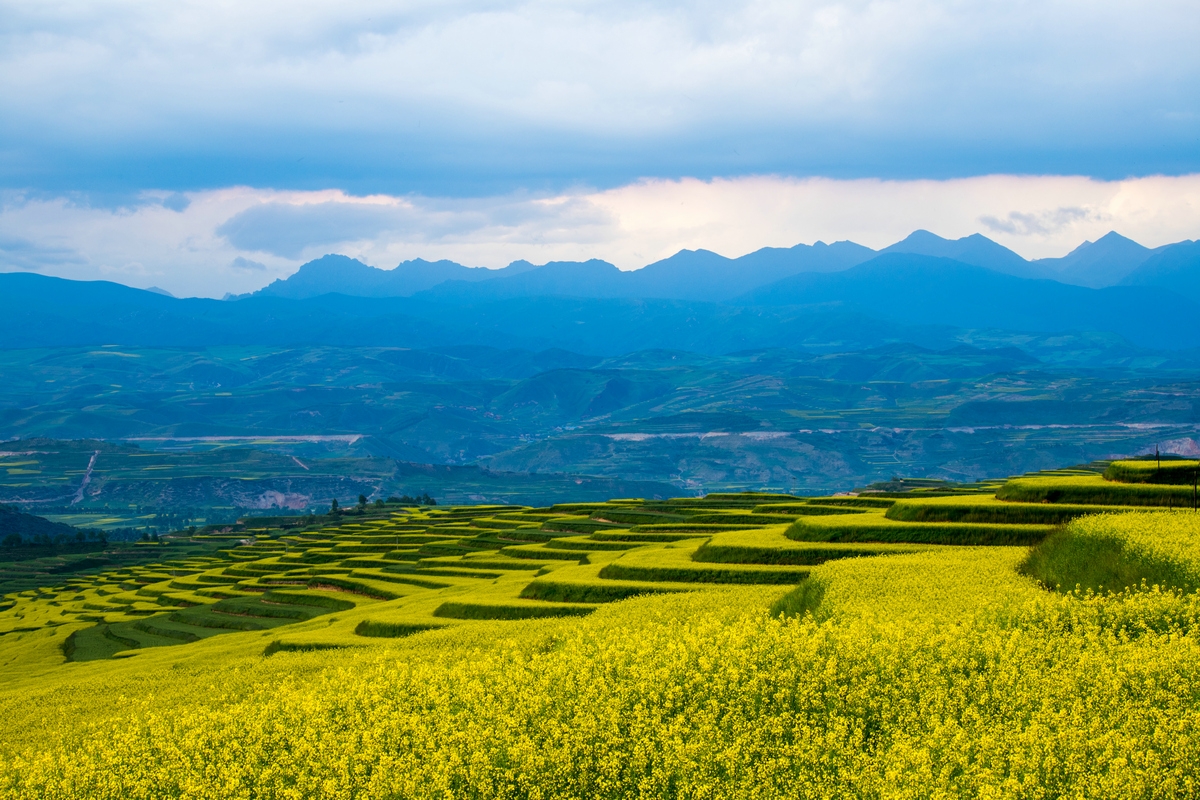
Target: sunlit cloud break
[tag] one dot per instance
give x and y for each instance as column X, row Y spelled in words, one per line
column 238, row 239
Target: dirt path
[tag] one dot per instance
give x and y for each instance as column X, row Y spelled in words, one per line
column 87, row 478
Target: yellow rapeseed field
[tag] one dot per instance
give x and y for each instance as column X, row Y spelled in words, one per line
column 935, row 674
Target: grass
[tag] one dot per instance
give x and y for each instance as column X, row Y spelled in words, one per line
column 987, row 509
column 510, row 611
column 391, row 630
column 1149, row 471
column 675, row 563
column 1119, row 552
column 772, row 546
column 875, row 527
column 1093, row 490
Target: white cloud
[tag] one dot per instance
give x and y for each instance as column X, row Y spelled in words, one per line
column 240, row 238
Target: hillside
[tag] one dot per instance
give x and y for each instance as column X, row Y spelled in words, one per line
column 210, row 430
column 1175, row 269
column 17, row 527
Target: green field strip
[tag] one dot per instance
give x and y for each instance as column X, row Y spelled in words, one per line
column 584, row 585
column 578, row 525
column 413, row 580
column 986, row 508
column 501, row 524
column 739, row 518
column 462, row 572
column 514, row 610
column 204, row 621
column 647, row 537
column 211, row 578
column 689, row 527
column 366, row 563
column 490, row 561
column 812, row 509
column 674, row 564
column 1175, row 471
column 1094, row 490
column 403, row 555
column 445, row 547
column 164, row 627
column 634, row 516
column 762, row 497
column 382, row 629
column 542, row 552
column 860, row 501
column 591, row 545
column 355, row 548
column 222, row 593
column 771, row 546
column 364, row 587
column 877, row 528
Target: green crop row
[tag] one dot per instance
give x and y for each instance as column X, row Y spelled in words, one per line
column 1168, row 472
column 1089, row 490
column 877, row 528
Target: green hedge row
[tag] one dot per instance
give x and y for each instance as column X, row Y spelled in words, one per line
column 623, row 572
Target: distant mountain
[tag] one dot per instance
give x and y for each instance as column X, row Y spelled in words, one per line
column 1174, row 268
column 915, row 289
column 593, row 308
column 592, row 278
column 976, row 250
column 1104, row 262
column 704, row 275
column 344, row 275
column 687, row 275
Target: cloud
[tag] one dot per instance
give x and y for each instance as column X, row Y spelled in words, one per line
column 492, row 96
column 288, row 230
column 1019, row 223
column 246, row 264
column 291, row 228
column 23, row 255
column 238, row 239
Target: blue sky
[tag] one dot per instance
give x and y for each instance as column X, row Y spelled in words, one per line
column 116, row 105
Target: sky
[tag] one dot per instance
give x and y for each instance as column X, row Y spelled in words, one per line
column 212, row 147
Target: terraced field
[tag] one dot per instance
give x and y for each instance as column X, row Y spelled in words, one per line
column 422, row 569
column 933, row 643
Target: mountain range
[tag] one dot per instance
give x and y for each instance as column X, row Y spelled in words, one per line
column 706, row 276
column 924, row 290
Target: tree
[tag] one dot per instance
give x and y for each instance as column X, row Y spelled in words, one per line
column 333, row 507
column 362, row 501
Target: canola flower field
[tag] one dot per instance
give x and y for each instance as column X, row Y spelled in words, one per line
column 731, row 646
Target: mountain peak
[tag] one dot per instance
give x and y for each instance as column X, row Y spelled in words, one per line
column 1104, row 262
column 976, row 249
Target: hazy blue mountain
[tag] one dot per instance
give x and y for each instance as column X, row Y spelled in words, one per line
column 976, row 249
column 892, row 298
column 704, row 275
column 1104, row 262
column 916, row 289
column 687, row 275
column 344, row 275
column 1174, row 268
column 592, row 278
